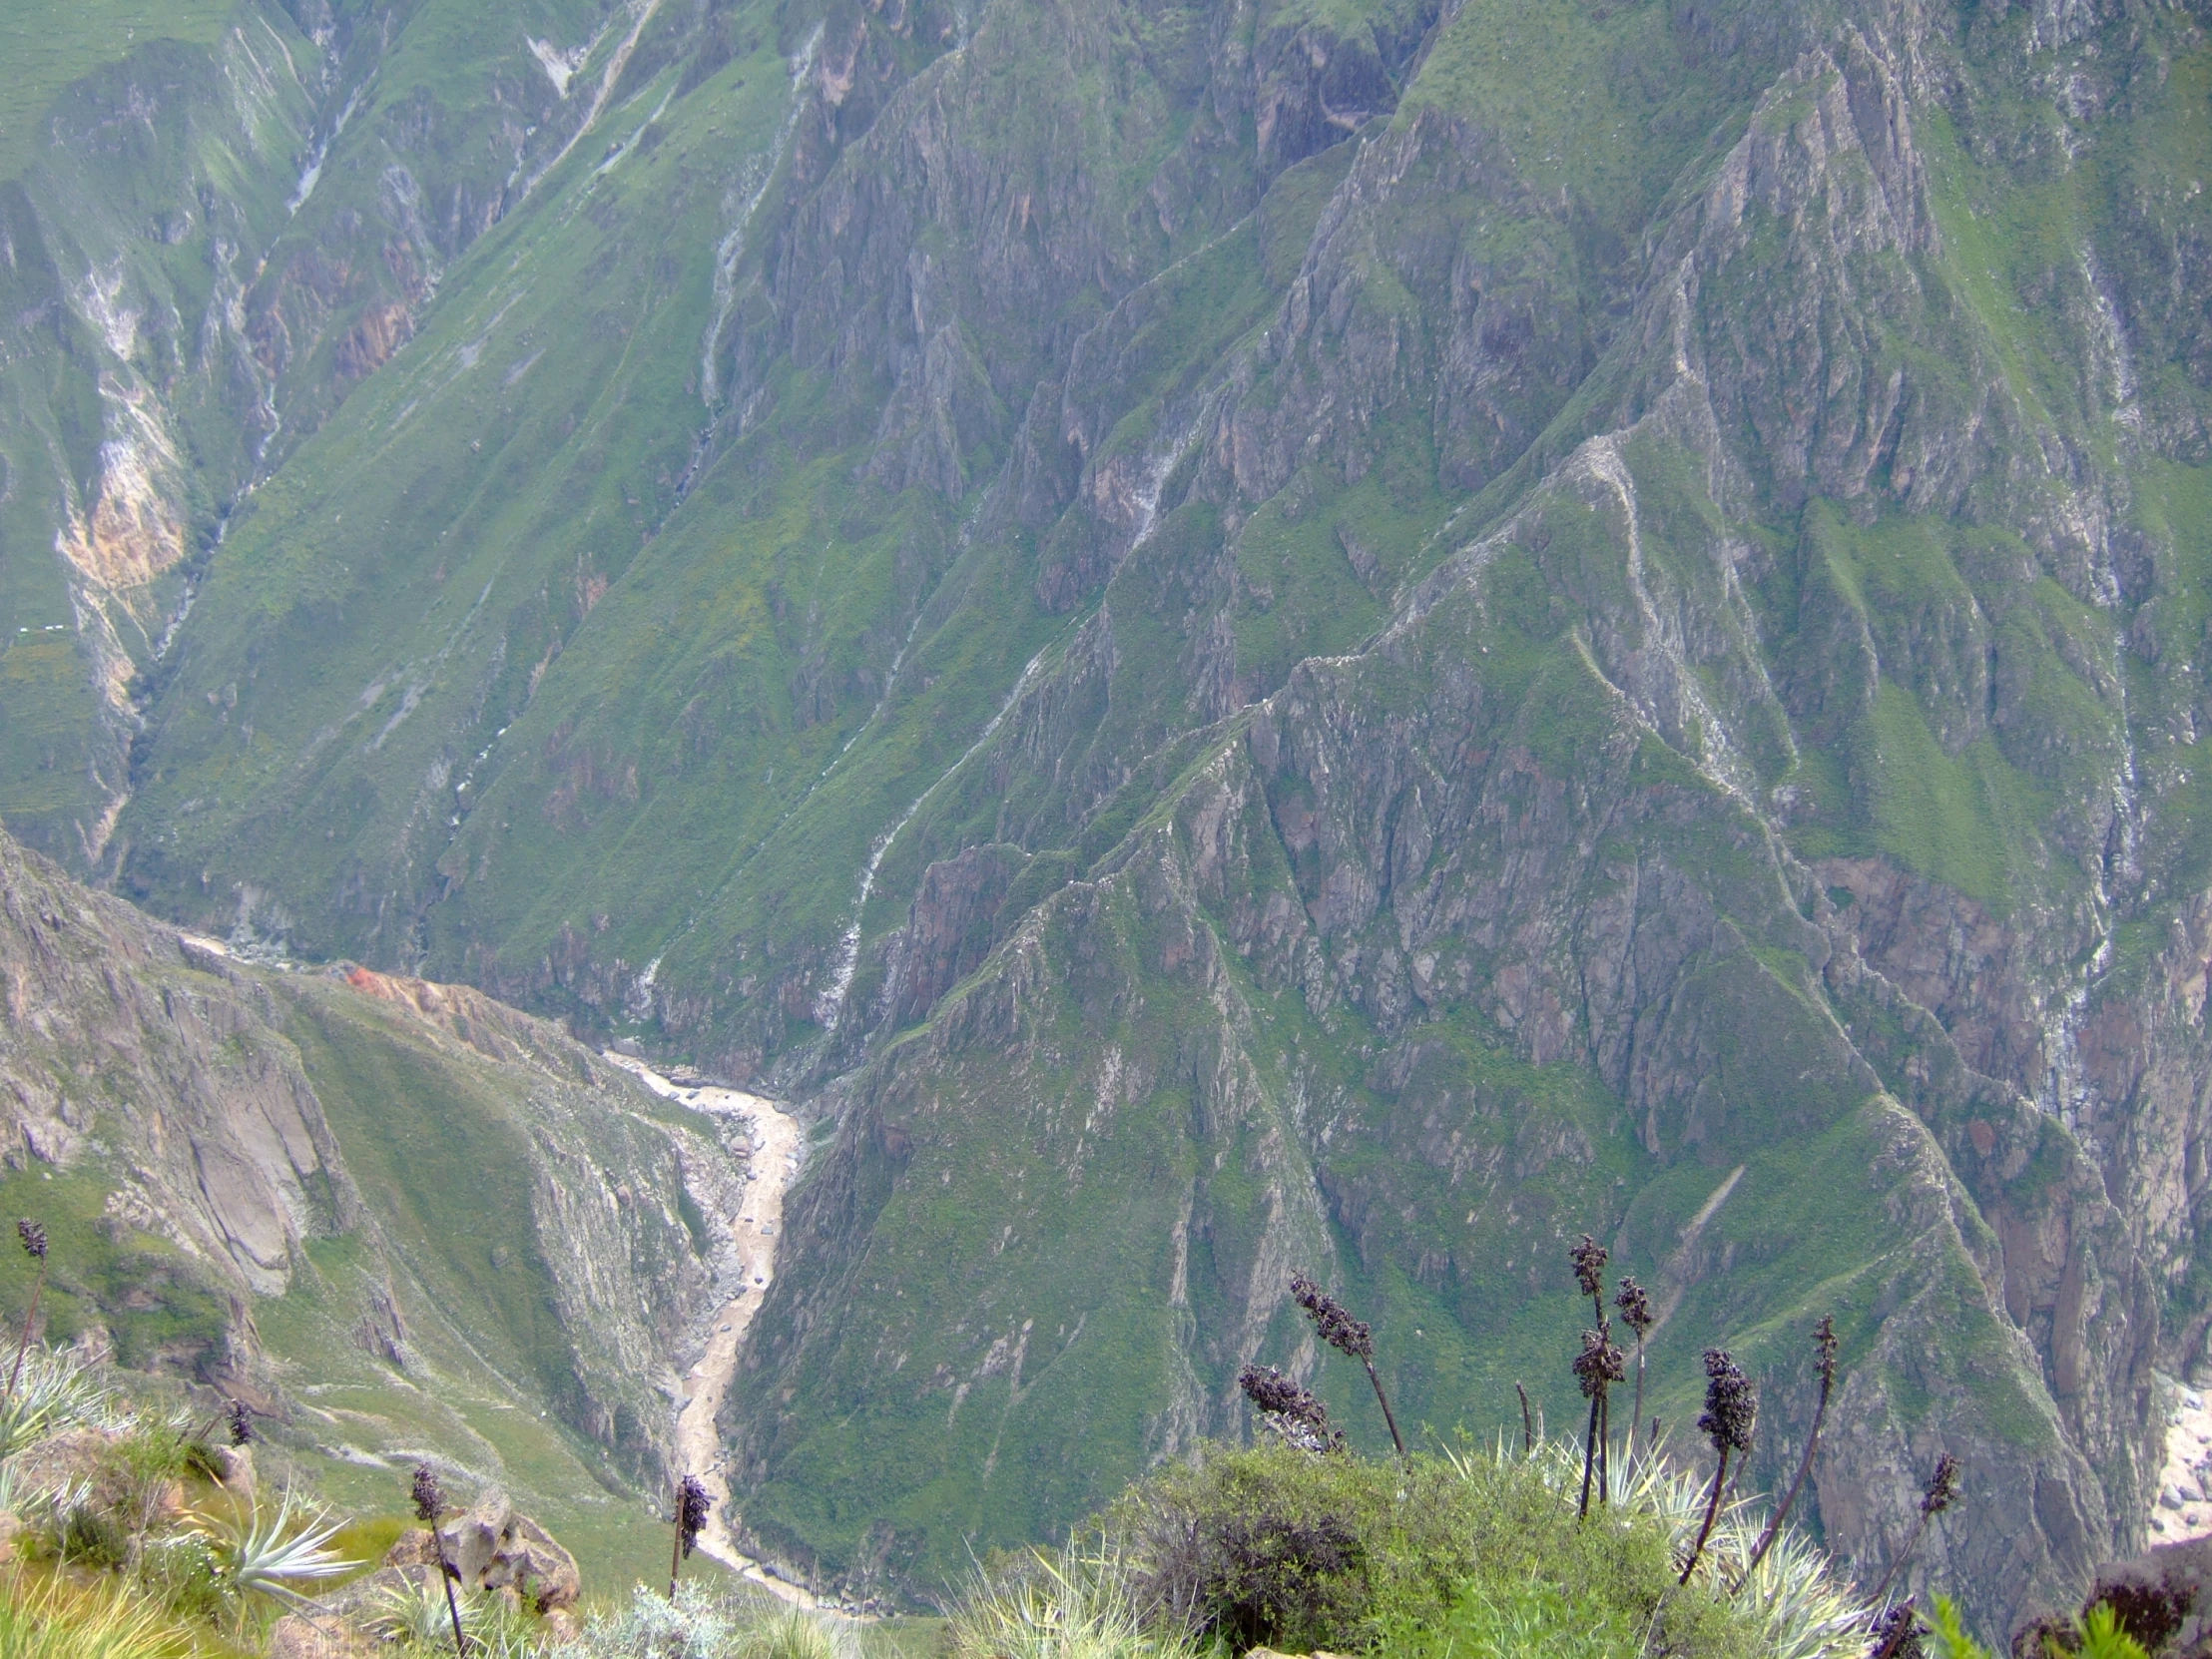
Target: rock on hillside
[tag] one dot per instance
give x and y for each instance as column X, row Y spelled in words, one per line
column 295, row 1185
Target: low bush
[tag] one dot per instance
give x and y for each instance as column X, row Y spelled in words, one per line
column 1277, row 1548
column 1470, row 1555
column 1087, row 1602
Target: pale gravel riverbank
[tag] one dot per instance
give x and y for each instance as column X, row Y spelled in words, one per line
column 756, row 1231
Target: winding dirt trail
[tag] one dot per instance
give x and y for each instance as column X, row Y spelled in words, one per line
column 756, row 1230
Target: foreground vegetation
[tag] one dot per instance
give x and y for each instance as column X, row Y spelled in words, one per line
column 136, row 1551
column 132, row 1533
column 1468, row 1551
column 140, row 1535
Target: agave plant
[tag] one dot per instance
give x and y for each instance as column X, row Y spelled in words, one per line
column 414, row 1615
column 698, row 1623
column 54, row 1391
column 790, row 1634
column 1073, row 1605
column 1804, row 1609
column 254, row 1556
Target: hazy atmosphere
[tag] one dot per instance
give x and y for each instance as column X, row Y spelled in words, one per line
column 1014, row 830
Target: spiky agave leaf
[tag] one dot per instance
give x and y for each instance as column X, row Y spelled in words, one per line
column 413, row 1613
column 1075, row 1604
column 1804, row 1608
column 1675, row 1496
column 55, row 1392
column 734, row 1622
column 257, row 1555
column 792, row 1633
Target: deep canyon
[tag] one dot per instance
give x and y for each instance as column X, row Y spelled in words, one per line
column 1219, row 637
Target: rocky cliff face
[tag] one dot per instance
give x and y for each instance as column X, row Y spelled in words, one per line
column 1255, row 636
column 273, row 1180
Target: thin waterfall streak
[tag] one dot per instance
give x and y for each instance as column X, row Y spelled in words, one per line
column 830, row 1006
column 730, row 252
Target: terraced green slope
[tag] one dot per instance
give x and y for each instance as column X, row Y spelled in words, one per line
column 1348, row 637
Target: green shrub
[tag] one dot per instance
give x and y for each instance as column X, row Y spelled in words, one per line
column 183, row 1574
column 94, row 1536
column 1279, row 1547
column 2098, row 1634
column 1508, row 1619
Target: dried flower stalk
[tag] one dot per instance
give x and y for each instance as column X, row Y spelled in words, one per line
column 1292, row 1411
column 34, row 1246
column 1731, row 1413
column 691, row 1507
column 1636, row 1314
column 429, row 1504
column 1824, row 1348
column 1597, row 1367
column 1334, row 1322
column 1937, row 1496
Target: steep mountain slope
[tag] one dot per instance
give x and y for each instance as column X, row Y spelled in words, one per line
column 216, row 220
column 399, row 1218
column 1276, row 635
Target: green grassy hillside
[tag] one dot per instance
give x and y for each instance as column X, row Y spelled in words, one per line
column 50, row 47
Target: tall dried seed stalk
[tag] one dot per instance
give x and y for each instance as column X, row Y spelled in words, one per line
column 691, row 1507
column 429, row 1504
column 1295, row 1413
column 1824, row 1350
column 1596, row 1369
column 1334, row 1324
column 1588, row 1259
column 34, row 1246
column 1937, row 1496
column 1636, row 1314
column 1731, row 1414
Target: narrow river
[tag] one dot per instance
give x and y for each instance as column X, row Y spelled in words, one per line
column 757, row 1229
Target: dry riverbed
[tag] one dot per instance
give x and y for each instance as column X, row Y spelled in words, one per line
column 757, row 1229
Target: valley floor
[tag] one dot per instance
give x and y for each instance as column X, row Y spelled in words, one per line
column 756, row 1229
